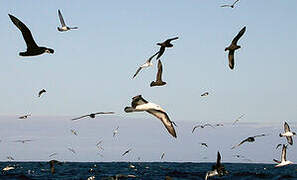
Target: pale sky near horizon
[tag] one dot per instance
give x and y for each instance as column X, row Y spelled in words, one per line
column 92, row 67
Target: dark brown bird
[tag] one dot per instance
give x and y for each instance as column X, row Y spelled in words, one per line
column 165, row 44
column 41, row 92
column 249, row 139
column 231, row 6
column 233, row 46
column 32, row 48
column 92, row 115
column 24, row 116
column 158, row 81
column 201, row 126
column 126, row 152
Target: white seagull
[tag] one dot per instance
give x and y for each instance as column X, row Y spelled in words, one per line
column 147, row 64
column 64, row 27
column 288, row 134
column 284, row 160
column 140, row 104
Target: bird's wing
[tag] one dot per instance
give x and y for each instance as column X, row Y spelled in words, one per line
column 172, row 39
column 151, row 58
column 165, row 120
column 137, row 72
column 290, row 140
column 278, row 146
column 160, row 70
column 195, row 128
column 286, row 127
column 161, row 51
column 104, row 113
column 25, row 32
column 226, row 5
column 284, row 153
column 239, row 143
column 235, row 2
column 79, row 117
column 138, row 100
column 259, row 135
column 231, row 59
column 238, row 36
column 218, row 160
column 61, row 18
column 208, row 125
column 276, row 161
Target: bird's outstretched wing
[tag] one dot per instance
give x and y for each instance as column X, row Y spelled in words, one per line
column 276, row 161
column 171, row 39
column 239, row 143
column 126, row 152
column 104, row 113
column 80, row 117
column 195, row 128
column 138, row 100
column 208, row 125
column 25, row 32
column 286, row 127
column 278, row 146
column 231, row 59
column 61, row 18
column 226, row 5
column 260, row 135
column 238, row 36
column 138, row 70
column 235, row 2
column 218, row 164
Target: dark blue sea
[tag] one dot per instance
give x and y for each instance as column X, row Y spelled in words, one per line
column 142, row 170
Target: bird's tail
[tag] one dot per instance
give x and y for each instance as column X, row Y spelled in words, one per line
column 129, row 109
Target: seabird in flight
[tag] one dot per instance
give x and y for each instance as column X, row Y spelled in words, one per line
column 204, row 144
column 126, row 152
column 53, row 154
column 41, row 92
column 205, row 94
column 23, row 141
column 288, row 134
column 238, row 119
column 32, row 48
column 74, row 132
column 249, row 139
column 140, row 104
column 162, row 156
column 201, row 126
column 284, row 160
column 233, row 46
column 147, row 64
column 64, row 27
column 10, row 158
column 231, row 6
column 165, row 44
column 217, row 170
column 116, row 131
column 72, row 150
column 24, row 116
column 92, row 115
column 158, row 81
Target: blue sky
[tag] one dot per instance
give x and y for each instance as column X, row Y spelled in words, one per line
column 92, row 67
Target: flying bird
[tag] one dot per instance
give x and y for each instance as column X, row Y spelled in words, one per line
column 32, row 48
column 233, row 46
column 284, row 160
column 99, row 144
column 147, row 64
column 205, row 94
column 158, row 81
column 165, row 44
column 10, row 158
column 53, row 154
column 116, row 131
column 218, row 169
column 231, row 6
column 72, row 150
column 64, row 27
column 23, row 141
column 41, row 92
column 249, row 139
column 74, row 132
column 288, row 134
column 140, row 104
column 162, row 156
column 92, row 115
column 204, row 144
column 126, row 152
column 238, row 119
column 201, row 126
column 24, row 116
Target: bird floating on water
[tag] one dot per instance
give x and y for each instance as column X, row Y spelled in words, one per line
column 284, row 160
column 92, row 115
column 32, row 48
column 288, row 134
column 64, row 27
column 147, row 64
column 158, row 81
column 165, row 44
column 218, row 169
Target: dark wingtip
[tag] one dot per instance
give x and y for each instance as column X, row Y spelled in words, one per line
column 152, row 84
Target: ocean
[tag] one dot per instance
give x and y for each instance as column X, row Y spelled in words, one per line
column 142, row 170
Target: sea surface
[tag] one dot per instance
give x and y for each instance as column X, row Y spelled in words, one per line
column 142, row 170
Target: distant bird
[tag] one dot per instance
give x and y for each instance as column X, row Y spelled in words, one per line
column 140, row 104
column 147, row 64
column 116, row 131
column 217, row 170
column 288, row 134
column 219, row 124
column 238, row 119
column 23, row 141
column 99, row 145
column 52, row 165
column 92, row 115
column 24, row 116
column 64, row 27
column 74, row 132
column 126, row 152
column 162, row 156
column 32, row 48
column 204, row 94
column 53, row 154
column 165, row 44
column 249, row 139
column 233, row 46
column 204, row 144
column 201, row 126
column 284, row 160
column 238, row 156
column 158, row 81
column 41, row 92
column 72, row 150
column 10, row 158
column 231, row 6
column 279, row 145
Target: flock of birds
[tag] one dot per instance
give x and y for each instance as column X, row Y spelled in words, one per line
column 139, row 104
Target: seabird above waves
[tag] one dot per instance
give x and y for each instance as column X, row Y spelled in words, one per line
column 147, row 64
column 10, row 158
column 23, row 141
column 231, row 6
column 158, row 81
column 41, row 92
column 99, row 145
column 238, row 119
column 64, row 27
column 204, row 94
column 72, row 150
column 204, row 144
column 32, row 48
column 162, row 156
column 165, row 44
column 53, row 154
column 288, row 134
column 284, row 160
column 74, row 132
column 217, row 170
column 116, row 131
column 201, row 126
column 92, row 115
column 140, row 104
column 233, row 46
column 24, row 116
column 126, row 152
column 249, row 139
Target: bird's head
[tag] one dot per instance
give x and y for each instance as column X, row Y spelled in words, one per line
column 49, row 50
